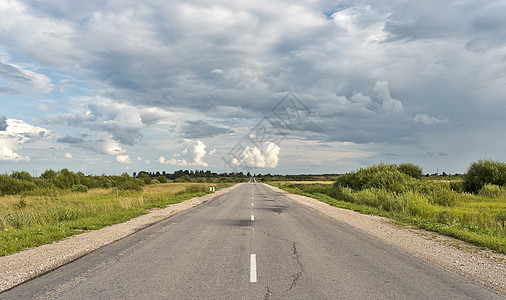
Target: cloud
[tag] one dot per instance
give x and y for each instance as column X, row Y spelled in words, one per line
column 3, row 123
column 9, row 91
column 371, row 72
column 67, row 155
column 200, row 153
column 105, row 144
column 22, row 79
column 124, row 122
column 70, row 140
column 255, row 157
column 124, row 159
column 389, row 104
column 15, row 134
column 173, row 161
column 428, row 120
column 201, row 129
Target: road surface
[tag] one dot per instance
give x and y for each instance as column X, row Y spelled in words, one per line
column 252, row 243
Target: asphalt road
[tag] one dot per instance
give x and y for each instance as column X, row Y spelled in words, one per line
column 251, row 243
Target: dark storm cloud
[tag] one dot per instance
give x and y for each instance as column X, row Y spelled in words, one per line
column 202, row 129
column 70, row 140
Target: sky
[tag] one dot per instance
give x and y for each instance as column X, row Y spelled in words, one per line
column 265, row 86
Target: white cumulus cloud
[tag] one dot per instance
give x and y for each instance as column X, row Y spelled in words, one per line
column 265, row 157
column 173, row 161
column 124, row 159
column 14, row 134
column 389, row 104
column 200, row 153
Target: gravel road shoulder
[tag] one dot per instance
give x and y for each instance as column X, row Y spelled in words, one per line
column 25, row 265
column 481, row 266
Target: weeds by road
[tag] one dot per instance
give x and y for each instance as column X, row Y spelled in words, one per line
column 28, row 221
column 436, row 206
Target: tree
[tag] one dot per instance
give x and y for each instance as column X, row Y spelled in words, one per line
column 484, row 172
column 23, row 175
column 411, row 170
column 66, row 178
column 145, row 177
column 50, row 176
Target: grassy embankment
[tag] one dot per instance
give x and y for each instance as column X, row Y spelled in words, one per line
column 436, row 206
column 28, row 221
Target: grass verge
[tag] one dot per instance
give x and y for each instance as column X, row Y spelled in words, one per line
column 481, row 237
column 30, row 221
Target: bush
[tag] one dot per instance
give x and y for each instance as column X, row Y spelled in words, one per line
column 457, row 186
column 145, row 177
column 417, row 205
column 379, row 176
column 438, row 193
column 23, row 175
column 482, row 172
column 492, row 191
column 411, row 170
column 342, row 193
column 131, row 184
column 79, row 188
column 162, row 179
column 12, row 186
column 390, row 180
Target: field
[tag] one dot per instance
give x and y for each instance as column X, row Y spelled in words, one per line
column 476, row 218
column 32, row 220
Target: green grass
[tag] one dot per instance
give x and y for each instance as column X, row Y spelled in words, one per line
column 472, row 218
column 29, row 221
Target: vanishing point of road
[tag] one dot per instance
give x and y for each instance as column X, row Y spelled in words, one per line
column 251, row 243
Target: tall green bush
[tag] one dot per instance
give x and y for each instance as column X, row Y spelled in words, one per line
column 484, row 172
column 411, row 170
column 380, row 176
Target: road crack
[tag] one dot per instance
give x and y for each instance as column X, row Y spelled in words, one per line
column 295, row 256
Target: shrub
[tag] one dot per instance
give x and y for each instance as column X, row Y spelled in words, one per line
column 79, row 188
column 390, row 180
column 131, row 184
column 23, row 175
column 482, row 172
column 145, row 177
column 411, row 170
column 162, row 179
column 378, row 176
column 492, row 191
column 12, row 186
column 456, row 186
column 417, row 205
column 437, row 193
column 342, row 193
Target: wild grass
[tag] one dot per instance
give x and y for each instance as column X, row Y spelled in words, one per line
column 28, row 221
column 476, row 218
